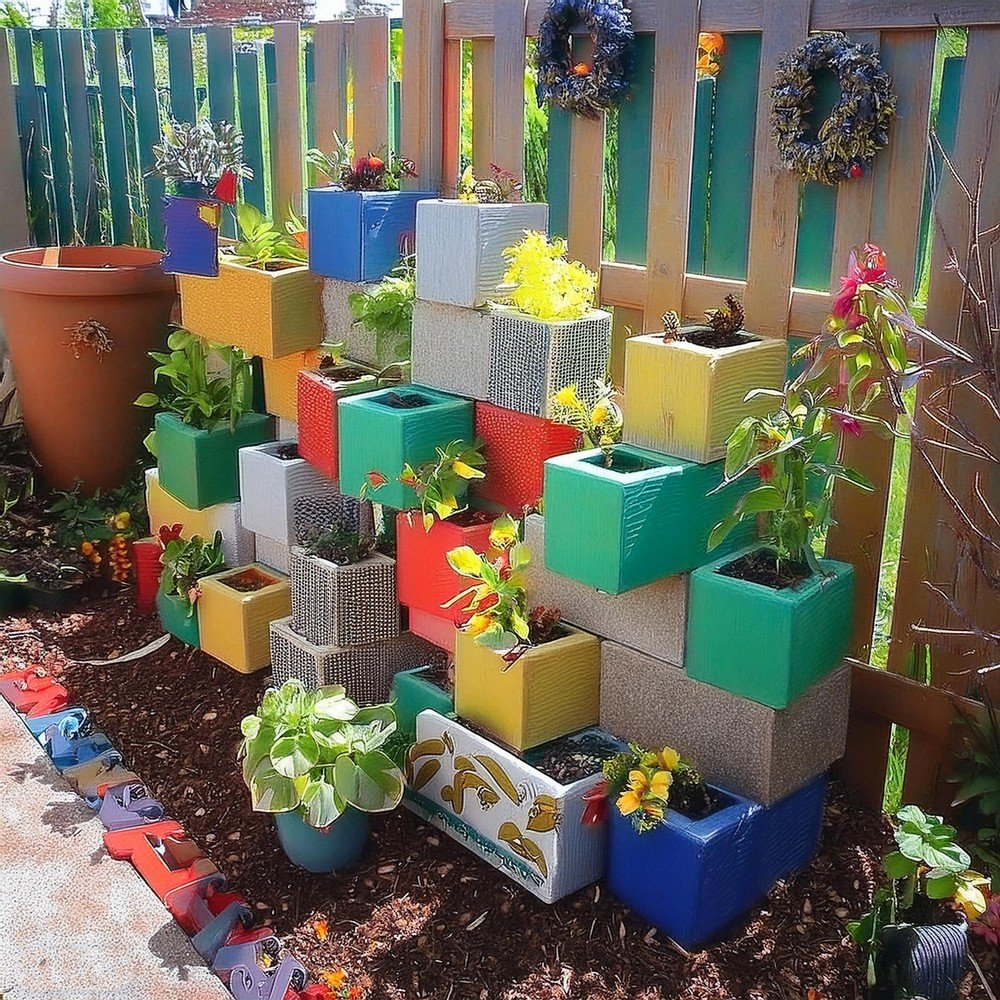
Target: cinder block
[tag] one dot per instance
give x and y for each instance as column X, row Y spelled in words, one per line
column 338, row 322
column 650, row 618
column 288, row 430
column 742, row 745
column 272, row 553
column 451, row 348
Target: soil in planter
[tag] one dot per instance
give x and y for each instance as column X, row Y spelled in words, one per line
column 403, row 400
column 440, row 671
column 248, row 580
column 624, row 462
column 714, row 341
column 287, row 452
column 569, row 758
column 334, row 371
column 760, row 566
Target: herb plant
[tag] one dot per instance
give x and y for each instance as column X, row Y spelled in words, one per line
column 501, row 186
column 318, row 752
column 600, row 421
column 261, row 242
column 438, row 482
column 540, row 281
column 378, row 171
column 387, row 311
column 186, row 562
column 338, row 545
column 200, row 153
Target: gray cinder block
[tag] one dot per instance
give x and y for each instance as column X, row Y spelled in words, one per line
column 451, row 348
column 651, row 619
column 272, row 553
column 742, row 745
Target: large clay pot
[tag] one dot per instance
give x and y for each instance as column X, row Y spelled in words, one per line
column 78, row 411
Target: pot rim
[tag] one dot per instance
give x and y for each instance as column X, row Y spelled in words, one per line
column 118, row 270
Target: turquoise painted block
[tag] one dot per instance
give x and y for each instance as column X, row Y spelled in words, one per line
column 616, row 529
column 175, row 619
column 776, row 643
column 378, row 437
column 201, row 468
column 413, row 692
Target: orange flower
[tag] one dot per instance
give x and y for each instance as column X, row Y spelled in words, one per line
column 581, row 69
column 334, row 978
column 355, row 993
column 322, row 929
column 710, row 41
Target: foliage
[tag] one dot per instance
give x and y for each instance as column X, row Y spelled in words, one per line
column 728, row 318
column 502, row 186
column 438, row 482
column 378, row 171
column 599, row 422
column 185, row 562
column 185, row 387
column 988, row 925
column 542, row 283
column 318, row 752
column 200, row 153
column 338, row 545
column 261, row 241
column 643, row 781
column 387, row 311
column 14, row 14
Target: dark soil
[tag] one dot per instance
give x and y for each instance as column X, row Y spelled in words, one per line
column 422, row 917
column 624, row 462
column 249, row 580
column 403, row 400
column 337, row 372
column 287, row 452
column 469, row 517
column 714, row 340
column 760, row 566
column 440, row 672
column 567, row 759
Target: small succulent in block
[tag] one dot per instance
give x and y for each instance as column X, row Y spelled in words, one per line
column 439, row 482
column 336, row 544
column 599, row 422
column 502, row 186
column 377, row 171
column 202, row 157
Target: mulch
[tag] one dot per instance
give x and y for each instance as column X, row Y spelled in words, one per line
column 422, row 917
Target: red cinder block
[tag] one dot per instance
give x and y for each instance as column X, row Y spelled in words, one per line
column 517, row 446
column 34, row 695
column 146, row 556
column 439, row 629
column 318, row 428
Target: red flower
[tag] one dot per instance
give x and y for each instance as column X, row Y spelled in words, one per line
column 169, row 533
column 225, row 189
column 847, row 423
column 376, row 479
column 856, row 171
column 597, row 805
column 765, row 470
column 844, row 302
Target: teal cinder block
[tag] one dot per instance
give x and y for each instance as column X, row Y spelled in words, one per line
column 775, row 643
column 175, row 619
column 412, row 693
column 615, row 530
column 201, row 468
column 378, row 437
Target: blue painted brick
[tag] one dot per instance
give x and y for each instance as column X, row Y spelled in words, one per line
column 191, row 242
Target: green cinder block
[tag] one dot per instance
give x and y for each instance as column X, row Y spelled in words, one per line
column 775, row 643
column 378, row 437
column 615, row 529
column 174, row 618
column 413, row 692
column 201, row 468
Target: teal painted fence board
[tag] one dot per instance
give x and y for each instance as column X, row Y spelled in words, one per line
column 88, row 223
column 55, row 108
column 31, row 129
column 180, row 67
column 221, row 89
column 635, row 122
column 701, row 165
column 106, row 49
column 247, row 74
column 147, row 123
column 271, row 94
column 557, row 175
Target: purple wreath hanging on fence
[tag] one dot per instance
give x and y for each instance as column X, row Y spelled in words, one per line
column 585, row 89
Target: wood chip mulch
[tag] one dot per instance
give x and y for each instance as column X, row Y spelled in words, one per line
column 422, row 917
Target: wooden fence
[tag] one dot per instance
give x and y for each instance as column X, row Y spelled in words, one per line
column 702, row 207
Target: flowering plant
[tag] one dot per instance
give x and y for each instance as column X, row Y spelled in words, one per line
column 261, row 242
column 542, row 283
column 378, row 171
column 988, row 924
column 186, row 562
column 502, row 186
column 202, row 153
column 438, row 481
column 710, row 45
column 600, row 422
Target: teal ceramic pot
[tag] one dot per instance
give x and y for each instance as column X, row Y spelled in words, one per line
column 337, row 847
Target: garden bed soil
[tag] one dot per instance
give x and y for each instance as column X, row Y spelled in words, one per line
column 287, row 452
column 403, row 400
column 248, row 581
column 567, row 760
column 421, row 917
column 760, row 566
column 714, row 341
column 338, row 372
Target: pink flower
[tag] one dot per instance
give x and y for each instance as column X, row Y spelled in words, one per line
column 847, row 423
column 988, row 925
column 765, row 470
column 194, row 593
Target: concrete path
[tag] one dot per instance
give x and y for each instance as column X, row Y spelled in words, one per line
column 75, row 924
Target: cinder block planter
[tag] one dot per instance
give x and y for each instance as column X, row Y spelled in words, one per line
column 516, row 448
column 512, row 815
column 685, row 400
column 413, row 691
column 162, row 508
column 425, row 580
column 378, row 436
column 438, row 629
column 279, row 495
column 360, row 235
column 338, row 321
column 365, row 671
column 200, row 468
column 549, row 691
column 531, row 359
column 451, row 348
column 273, row 554
column 318, row 393
column 175, row 619
column 286, row 430
column 234, row 621
column 343, row 605
column 650, row 618
column 776, row 643
column 266, row 313
column 191, row 235
column 646, row 518
column 750, row 748
column 281, row 379
column 460, row 246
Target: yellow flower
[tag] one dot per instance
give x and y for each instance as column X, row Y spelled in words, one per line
column 600, row 414
column 123, row 520
column 628, row 803
column 334, row 978
column 660, row 783
column 504, row 532
column 668, row 759
column 567, row 396
column 478, row 624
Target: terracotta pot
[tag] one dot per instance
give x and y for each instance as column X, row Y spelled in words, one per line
column 78, row 411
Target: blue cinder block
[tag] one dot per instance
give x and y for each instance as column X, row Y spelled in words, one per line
column 68, row 748
column 360, row 235
column 191, row 235
column 789, row 832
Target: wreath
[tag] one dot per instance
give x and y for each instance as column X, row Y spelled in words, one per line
column 857, row 127
column 585, row 89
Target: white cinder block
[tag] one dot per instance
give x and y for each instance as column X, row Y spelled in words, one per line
column 360, row 344
column 272, row 553
column 451, row 348
column 288, row 430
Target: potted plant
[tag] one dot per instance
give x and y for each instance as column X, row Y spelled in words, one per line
column 798, row 607
column 519, row 673
column 381, row 318
column 281, row 382
column 914, row 938
column 205, row 420
column 381, row 432
column 203, row 161
column 264, row 299
column 358, row 225
column 315, row 760
column 184, row 563
column 235, row 611
column 547, row 334
column 687, row 387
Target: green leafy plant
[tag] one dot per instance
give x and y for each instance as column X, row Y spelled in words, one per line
column 318, row 752
column 338, row 545
column 262, row 243
column 599, row 422
column 200, row 152
column 378, row 171
column 185, row 562
column 387, row 311
column 540, row 281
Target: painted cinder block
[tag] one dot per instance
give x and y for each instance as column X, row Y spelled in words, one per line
column 685, row 400
column 175, row 619
column 451, row 348
column 281, row 379
column 272, row 553
column 201, row 468
column 650, row 618
column 617, row 529
column 749, row 748
column 365, row 671
column 509, row 813
column 191, row 235
column 460, row 246
column 413, row 692
column 438, row 629
column 532, row 359
column 776, row 643
column 360, row 235
column 376, row 436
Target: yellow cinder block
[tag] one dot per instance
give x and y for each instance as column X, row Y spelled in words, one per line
column 267, row 313
column 281, row 382
column 163, row 508
column 235, row 625
column 685, row 400
column 549, row 691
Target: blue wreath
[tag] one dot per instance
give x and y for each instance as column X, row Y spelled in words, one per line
column 608, row 79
